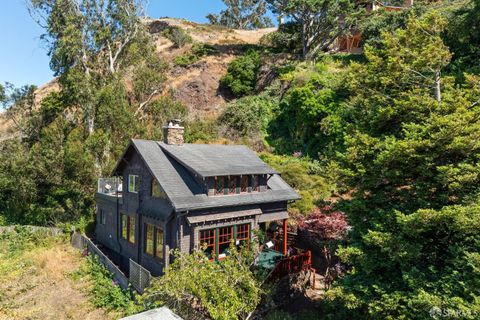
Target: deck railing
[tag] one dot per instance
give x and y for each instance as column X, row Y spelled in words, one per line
column 293, row 264
column 110, row 186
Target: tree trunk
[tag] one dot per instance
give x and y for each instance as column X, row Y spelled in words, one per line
column 438, row 88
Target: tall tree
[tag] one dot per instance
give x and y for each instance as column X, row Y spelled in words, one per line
column 412, row 163
column 321, row 21
column 242, row 14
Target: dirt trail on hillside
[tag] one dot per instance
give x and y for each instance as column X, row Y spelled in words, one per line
column 44, row 289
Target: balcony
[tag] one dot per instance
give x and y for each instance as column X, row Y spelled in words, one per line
column 110, row 187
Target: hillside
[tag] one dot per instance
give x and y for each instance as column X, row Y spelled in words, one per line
column 196, row 86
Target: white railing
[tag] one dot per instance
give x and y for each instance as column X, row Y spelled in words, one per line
column 111, row 186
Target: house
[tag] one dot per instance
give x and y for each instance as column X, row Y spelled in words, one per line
column 353, row 42
column 171, row 195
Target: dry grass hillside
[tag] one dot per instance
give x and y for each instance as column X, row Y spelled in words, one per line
column 196, row 86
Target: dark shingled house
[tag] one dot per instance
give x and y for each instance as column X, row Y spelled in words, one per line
column 166, row 195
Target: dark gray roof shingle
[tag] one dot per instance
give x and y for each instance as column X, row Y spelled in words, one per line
column 186, row 194
column 209, row 160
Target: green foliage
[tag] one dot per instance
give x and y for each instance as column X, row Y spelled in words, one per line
column 105, row 292
column 304, row 176
column 318, row 21
column 201, row 131
column 247, row 117
column 286, row 39
column 242, row 14
column 178, row 36
column 309, row 118
column 241, row 77
column 198, row 51
column 192, row 285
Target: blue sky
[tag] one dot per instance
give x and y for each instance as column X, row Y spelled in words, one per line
column 23, row 57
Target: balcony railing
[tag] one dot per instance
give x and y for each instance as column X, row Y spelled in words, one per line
column 110, row 186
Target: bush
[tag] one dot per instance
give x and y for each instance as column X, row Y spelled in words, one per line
column 247, row 117
column 285, row 39
column 241, row 77
column 198, row 51
column 178, row 36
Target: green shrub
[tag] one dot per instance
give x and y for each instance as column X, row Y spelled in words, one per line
column 178, row 36
column 198, row 51
column 105, row 292
column 242, row 73
column 247, row 117
column 285, row 39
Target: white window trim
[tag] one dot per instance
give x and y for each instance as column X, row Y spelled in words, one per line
column 135, row 181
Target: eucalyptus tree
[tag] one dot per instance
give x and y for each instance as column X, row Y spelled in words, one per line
column 242, row 14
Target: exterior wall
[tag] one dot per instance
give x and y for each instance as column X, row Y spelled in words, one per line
column 155, row 265
column 107, row 233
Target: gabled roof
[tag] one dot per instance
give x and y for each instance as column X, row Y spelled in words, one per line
column 184, row 193
column 210, row 160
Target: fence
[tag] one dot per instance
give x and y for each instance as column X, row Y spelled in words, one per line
column 139, row 276
column 50, row 231
column 81, row 242
column 292, row 264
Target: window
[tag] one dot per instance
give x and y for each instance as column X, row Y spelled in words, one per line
column 157, row 191
column 159, row 243
column 153, row 241
column 219, row 185
column 207, row 240
column 243, row 184
column 131, row 229
column 128, row 228
column 124, row 226
column 102, row 216
column 216, row 241
column 255, row 186
column 133, row 183
column 232, row 185
column 243, row 233
column 225, row 236
column 149, row 229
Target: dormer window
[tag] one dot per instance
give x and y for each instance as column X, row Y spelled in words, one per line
column 232, row 185
column 243, row 184
column 255, row 186
column 157, row 191
column 219, row 186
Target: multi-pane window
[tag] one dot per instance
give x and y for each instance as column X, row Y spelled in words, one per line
column 157, row 191
column 154, row 241
column 102, row 216
column 149, row 232
column 217, row 241
column 255, row 186
column 133, row 183
column 159, row 243
column 128, row 227
column 244, row 184
column 232, row 185
column 225, row 236
column 243, row 233
column 207, row 241
column 219, row 185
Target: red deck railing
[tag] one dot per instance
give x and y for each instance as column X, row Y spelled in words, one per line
column 293, row 264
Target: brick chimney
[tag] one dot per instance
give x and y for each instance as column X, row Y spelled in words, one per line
column 173, row 132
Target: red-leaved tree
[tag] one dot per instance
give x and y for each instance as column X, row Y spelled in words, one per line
column 326, row 228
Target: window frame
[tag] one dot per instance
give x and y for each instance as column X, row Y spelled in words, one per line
column 230, row 180
column 102, row 216
column 127, row 233
column 149, row 227
column 136, row 183
column 244, row 184
column 255, row 187
column 222, row 192
column 161, row 194
column 158, row 253
column 215, row 235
